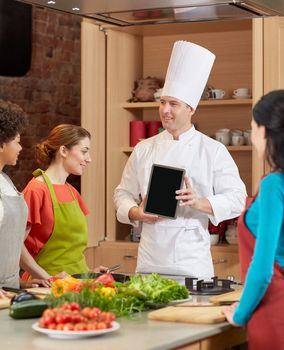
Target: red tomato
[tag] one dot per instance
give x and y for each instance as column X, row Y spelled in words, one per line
column 101, row 325
column 92, row 326
column 68, row 327
column 66, row 317
column 80, row 326
column 94, row 313
column 86, row 312
column 47, row 320
column 52, row 326
column 60, row 327
column 74, row 306
column 59, row 319
column 107, row 316
column 48, row 312
column 77, row 318
column 106, row 279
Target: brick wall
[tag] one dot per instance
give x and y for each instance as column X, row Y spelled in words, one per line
column 50, row 91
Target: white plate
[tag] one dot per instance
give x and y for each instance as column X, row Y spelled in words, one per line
column 179, row 301
column 74, row 334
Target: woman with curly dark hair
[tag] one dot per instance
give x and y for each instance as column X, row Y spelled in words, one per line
column 13, row 209
column 261, row 235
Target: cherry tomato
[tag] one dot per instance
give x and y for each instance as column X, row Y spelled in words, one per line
column 68, row 327
column 59, row 319
column 81, row 326
column 52, row 326
column 60, row 327
column 101, row 325
column 92, row 326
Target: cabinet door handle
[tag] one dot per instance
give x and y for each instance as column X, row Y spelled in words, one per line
column 130, row 257
column 220, row 261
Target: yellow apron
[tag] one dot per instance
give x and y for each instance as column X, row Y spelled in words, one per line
column 64, row 251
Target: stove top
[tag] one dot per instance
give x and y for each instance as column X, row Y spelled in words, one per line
column 214, row 286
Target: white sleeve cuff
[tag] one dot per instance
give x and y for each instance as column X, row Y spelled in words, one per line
column 123, row 210
column 221, row 209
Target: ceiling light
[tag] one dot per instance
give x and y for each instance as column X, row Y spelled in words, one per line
column 75, row 9
column 51, row 2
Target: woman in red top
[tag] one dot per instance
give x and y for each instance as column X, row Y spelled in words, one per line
column 57, row 214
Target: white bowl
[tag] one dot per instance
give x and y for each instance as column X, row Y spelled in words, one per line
column 214, row 238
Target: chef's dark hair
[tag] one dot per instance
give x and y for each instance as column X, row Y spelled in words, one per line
column 13, row 121
column 269, row 112
column 67, row 135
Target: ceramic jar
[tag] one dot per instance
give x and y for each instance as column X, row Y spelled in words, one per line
column 145, row 89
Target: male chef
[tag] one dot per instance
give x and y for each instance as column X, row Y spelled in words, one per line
column 212, row 187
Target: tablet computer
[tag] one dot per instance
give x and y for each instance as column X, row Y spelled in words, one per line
column 161, row 194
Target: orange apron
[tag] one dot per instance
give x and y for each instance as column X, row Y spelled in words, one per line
column 265, row 328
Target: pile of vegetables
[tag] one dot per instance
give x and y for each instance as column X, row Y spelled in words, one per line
column 157, row 289
column 137, row 294
column 70, row 317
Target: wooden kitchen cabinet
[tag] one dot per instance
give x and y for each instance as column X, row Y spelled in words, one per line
column 225, row 257
column 226, row 261
column 112, row 253
column 113, row 58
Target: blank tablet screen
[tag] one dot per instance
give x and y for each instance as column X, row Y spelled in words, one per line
column 164, row 182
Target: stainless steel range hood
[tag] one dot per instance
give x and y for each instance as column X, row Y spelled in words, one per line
column 138, row 12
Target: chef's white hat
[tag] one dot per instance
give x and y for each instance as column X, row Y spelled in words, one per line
column 188, row 72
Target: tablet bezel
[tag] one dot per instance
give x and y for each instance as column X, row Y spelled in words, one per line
column 180, row 170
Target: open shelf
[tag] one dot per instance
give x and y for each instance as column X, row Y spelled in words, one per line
column 221, row 102
column 246, row 148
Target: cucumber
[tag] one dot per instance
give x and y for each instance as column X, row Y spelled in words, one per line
column 28, row 309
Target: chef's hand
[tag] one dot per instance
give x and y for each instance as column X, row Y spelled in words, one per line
column 101, row 268
column 229, row 313
column 34, row 283
column 137, row 214
column 189, row 198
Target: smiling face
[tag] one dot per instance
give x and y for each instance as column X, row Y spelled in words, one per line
column 9, row 152
column 77, row 157
column 175, row 115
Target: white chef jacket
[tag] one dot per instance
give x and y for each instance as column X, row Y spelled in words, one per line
column 181, row 246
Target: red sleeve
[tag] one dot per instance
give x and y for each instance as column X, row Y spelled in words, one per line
column 34, row 203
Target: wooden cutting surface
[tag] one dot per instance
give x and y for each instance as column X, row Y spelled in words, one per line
column 4, row 303
column 41, row 290
column 227, row 297
column 202, row 314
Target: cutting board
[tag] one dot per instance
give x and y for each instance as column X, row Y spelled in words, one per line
column 40, row 290
column 230, row 297
column 202, row 314
column 4, row 303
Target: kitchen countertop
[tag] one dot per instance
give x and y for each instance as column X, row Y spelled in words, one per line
column 136, row 332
